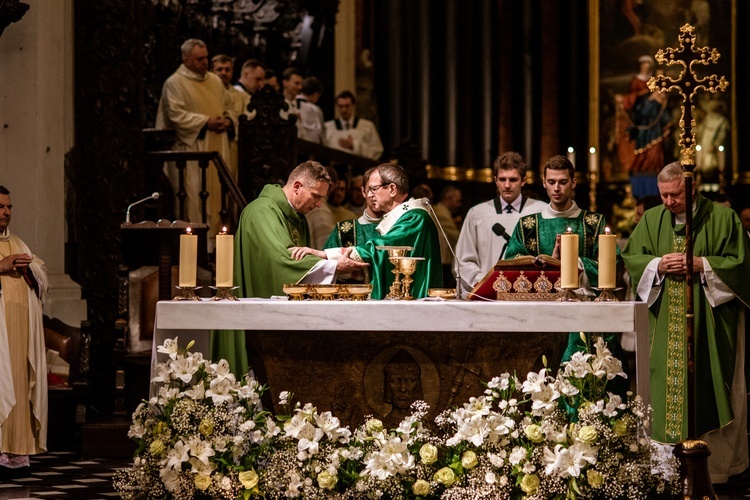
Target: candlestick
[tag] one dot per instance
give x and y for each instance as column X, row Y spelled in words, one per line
column 607, row 259
column 224, row 259
column 722, row 160
column 572, row 156
column 188, row 259
column 569, row 259
column 593, row 163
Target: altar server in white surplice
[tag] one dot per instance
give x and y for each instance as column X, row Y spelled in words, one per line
column 196, row 106
column 488, row 226
column 351, row 133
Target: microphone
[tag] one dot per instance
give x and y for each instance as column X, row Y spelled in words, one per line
column 499, row 230
column 426, row 201
column 154, row 196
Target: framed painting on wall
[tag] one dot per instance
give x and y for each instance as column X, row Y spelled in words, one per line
column 637, row 132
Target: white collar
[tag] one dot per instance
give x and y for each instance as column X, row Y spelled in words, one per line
column 184, row 71
column 570, row 213
column 516, row 204
column 680, row 218
column 390, row 219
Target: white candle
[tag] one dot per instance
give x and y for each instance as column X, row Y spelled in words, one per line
column 572, row 156
column 722, row 159
column 188, row 259
column 607, row 259
column 698, row 155
column 224, row 259
column 569, row 260
column 593, row 163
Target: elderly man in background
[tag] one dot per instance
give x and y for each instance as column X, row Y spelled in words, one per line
column 195, row 104
column 23, row 362
column 655, row 258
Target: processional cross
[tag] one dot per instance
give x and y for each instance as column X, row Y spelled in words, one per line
column 689, row 83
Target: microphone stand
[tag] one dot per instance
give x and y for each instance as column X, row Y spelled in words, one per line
column 455, row 259
column 154, row 196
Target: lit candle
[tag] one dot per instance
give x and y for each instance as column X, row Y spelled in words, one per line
column 698, row 155
column 188, row 259
column 593, row 164
column 607, row 259
column 224, row 259
column 722, row 159
column 572, row 156
column 569, row 259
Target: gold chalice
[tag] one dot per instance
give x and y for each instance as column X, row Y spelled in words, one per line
column 395, row 252
column 407, row 266
column 360, row 291
column 295, row 291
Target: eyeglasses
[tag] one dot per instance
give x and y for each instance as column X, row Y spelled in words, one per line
column 374, row 189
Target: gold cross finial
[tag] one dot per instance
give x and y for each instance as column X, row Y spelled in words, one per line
column 688, row 83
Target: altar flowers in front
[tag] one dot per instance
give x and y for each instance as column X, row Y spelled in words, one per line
column 207, row 436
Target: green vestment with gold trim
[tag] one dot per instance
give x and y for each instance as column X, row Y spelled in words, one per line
column 718, row 236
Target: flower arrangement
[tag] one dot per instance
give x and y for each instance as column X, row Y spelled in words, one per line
column 206, row 435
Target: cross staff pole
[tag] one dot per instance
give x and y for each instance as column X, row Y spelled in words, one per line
column 688, row 83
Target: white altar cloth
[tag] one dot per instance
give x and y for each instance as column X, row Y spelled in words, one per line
column 193, row 319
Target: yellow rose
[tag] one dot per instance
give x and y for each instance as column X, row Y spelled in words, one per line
column 428, row 454
column 374, row 425
column 206, row 427
column 588, row 434
column 595, row 479
column 620, row 428
column 469, row 460
column 421, row 488
column 445, row 476
column 202, row 481
column 530, row 483
column 249, row 479
column 326, row 480
column 156, row 448
column 534, row 433
column 160, row 427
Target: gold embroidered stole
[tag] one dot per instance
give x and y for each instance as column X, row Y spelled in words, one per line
column 676, row 351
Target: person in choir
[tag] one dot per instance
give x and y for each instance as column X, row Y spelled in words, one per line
column 272, row 80
column 195, row 104
column 252, row 77
column 745, row 219
column 404, row 224
column 357, row 231
column 446, row 211
column 336, row 202
column 321, row 220
column 539, row 234
column 422, row 191
column 486, row 229
column 311, row 124
column 357, row 195
column 352, row 133
column 271, row 231
column 291, row 84
column 223, row 66
column 655, row 258
column 23, row 360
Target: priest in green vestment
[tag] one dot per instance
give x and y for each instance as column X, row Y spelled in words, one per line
column 655, row 259
column 271, row 230
column 405, row 223
column 539, row 234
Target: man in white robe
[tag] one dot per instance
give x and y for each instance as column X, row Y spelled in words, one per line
column 196, row 106
column 351, row 133
column 223, row 66
column 487, row 228
column 23, row 362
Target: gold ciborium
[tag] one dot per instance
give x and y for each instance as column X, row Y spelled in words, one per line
column 360, row 291
column 395, row 252
column 407, row 266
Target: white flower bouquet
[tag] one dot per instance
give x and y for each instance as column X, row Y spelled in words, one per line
column 206, row 436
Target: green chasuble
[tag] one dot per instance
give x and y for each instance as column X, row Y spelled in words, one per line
column 413, row 227
column 535, row 235
column 718, row 236
column 350, row 233
column 262, row 264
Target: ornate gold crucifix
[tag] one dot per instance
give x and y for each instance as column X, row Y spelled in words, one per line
column 688, row 83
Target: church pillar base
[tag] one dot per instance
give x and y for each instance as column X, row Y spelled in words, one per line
column 64, row 300
column 694, row 477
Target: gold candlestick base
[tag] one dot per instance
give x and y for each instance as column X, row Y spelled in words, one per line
column 187, row 293
column 224, row 293
column 606, row 295
column 567, row 295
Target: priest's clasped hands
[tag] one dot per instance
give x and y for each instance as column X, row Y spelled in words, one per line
column 344, row 264
column 676, row 263
column 15, row 262
column 218, row 124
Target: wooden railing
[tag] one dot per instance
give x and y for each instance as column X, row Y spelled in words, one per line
column 230, row 192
